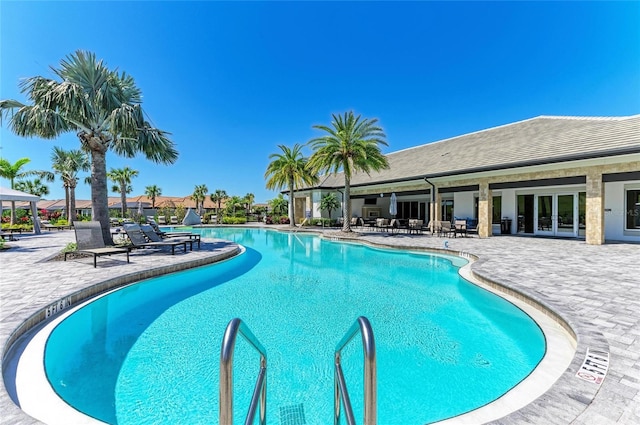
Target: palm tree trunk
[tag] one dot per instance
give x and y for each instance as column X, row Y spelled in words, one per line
column 99, row 198
column 292, row 216
column 346, row 225
column 67, row 202
column 123, row 200
column 72, row 204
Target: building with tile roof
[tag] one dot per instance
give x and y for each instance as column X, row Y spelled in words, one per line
column 550, row 175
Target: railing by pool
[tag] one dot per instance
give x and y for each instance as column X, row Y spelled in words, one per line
column 259, row 398
column 370, row 376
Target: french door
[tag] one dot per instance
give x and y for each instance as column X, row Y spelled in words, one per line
column 556, row 214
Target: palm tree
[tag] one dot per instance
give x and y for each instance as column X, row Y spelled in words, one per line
column 218, row 196
column 34, row 187
column 67, row 164
column 278, row 205
column 122, row 179
column 233, row 203
column 152, row 193
column 329, row 202
column 199, row 195
column 351, row 145
column 103, row 107
column 14, row 171
column 249, row 198
column 289, row 169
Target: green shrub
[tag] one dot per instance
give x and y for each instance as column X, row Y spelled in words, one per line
column 234, row 220
column 71, row 246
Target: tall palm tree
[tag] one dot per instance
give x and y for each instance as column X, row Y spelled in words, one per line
column 102, row 106
column 351, row 145
column 249, row 198
column 218, row 196
column 152, row 193
column 289, row 169
column 199, row 195
column 34, row 187
column 67, row 164
column 122, row 179
column 14, row 171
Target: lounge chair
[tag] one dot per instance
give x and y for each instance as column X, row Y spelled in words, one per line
column 89, row 240
column 47, row 225
column 173, row 219
column 162, row 220
column 194, row 236
column 138, row 239
column 8, row 235
column 152, row 236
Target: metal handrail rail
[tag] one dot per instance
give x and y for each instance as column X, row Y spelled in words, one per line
column 370, row 380
column 259, row 398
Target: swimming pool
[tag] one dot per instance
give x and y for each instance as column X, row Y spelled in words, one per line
column 444, row 346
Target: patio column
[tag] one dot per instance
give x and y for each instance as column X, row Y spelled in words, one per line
column 484, row 210
column 595, row 208
column 437, row 213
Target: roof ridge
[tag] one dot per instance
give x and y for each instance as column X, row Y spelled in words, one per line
column 588, row 118
column 566, row 117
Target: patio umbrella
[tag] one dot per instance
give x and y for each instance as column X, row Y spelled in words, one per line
column 393, row 205
column 140, row 211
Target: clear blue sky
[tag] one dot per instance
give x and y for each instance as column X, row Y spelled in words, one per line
column 232, row 80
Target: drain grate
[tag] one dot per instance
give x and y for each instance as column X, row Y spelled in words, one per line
column 292, row 415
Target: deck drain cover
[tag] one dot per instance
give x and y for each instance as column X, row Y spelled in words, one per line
column 292, row 415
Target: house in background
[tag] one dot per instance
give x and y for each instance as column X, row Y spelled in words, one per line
column 576, row 177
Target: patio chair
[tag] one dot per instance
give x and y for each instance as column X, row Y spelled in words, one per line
column 162, row 220
column 472, row 226
column 444, row 228
column 415, row 226
column 173, row 219
column 152, row 236
column 460, row 228
column 89, row 240
column 382, row 224
column 138, row 239
column 193, row 236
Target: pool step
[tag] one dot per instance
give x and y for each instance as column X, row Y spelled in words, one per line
column 292, row 415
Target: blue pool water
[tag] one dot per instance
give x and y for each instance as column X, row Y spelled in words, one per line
column 149, row 353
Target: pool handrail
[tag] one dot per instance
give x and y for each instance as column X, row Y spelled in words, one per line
column 370, row 376
column 259, row 397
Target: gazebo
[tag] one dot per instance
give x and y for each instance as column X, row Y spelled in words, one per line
column 12, row 195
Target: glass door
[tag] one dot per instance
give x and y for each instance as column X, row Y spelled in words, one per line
column 566, row 215
column 556, row 215
column 543, row 215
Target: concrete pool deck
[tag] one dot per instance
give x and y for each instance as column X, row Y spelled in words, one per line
column 595, row 289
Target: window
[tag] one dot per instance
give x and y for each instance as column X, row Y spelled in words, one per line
column 497, row 210
column 633, row 209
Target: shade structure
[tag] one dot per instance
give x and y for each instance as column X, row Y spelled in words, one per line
column 12, row 195
column 393, row 205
